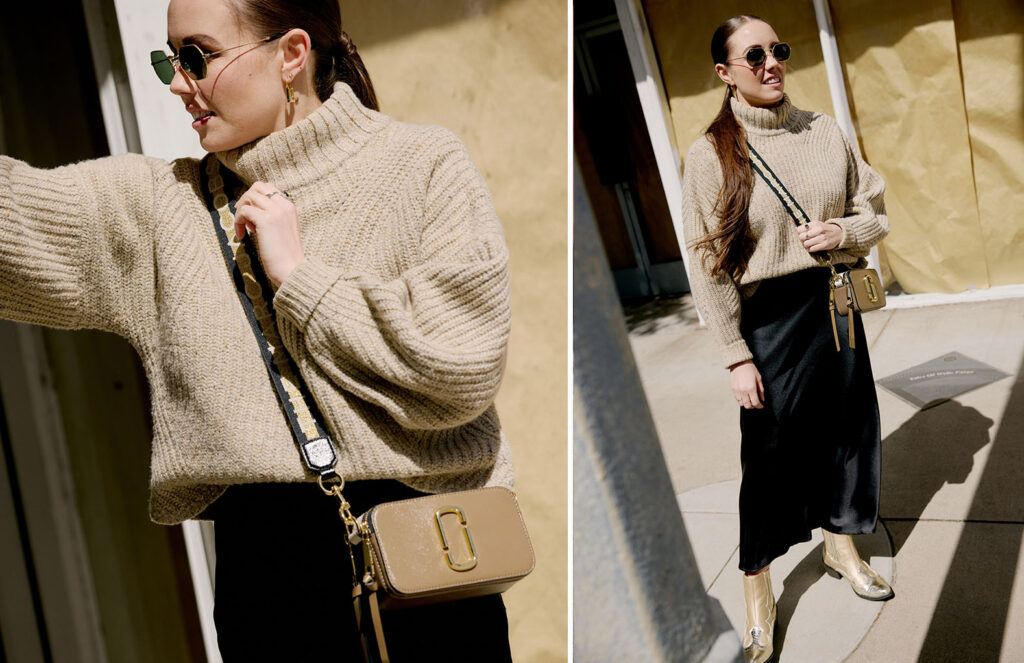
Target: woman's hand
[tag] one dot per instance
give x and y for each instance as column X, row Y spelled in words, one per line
column 746, row 385
column 817, row 236
column 266, row 213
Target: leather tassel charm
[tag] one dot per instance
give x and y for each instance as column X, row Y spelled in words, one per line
column 378, row 628
column 850, row 323
column 832, row 314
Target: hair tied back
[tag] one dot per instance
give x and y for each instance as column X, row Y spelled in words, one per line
column 321, row 19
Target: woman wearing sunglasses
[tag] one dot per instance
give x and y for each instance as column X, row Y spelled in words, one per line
column 392, row 298
column 809, row 417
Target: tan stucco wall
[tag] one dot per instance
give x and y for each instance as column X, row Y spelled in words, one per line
column 495, row 73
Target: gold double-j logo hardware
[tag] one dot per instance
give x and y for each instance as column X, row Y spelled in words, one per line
column 452, row 564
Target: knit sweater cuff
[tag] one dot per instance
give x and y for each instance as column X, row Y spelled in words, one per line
column 42, row 265
column 736, row 352
column 847, row 240
column 302, row 291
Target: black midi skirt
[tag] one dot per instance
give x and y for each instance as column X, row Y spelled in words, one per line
column 811, row 456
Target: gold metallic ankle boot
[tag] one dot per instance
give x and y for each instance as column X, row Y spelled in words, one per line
column 757, row 638
column 842, row 561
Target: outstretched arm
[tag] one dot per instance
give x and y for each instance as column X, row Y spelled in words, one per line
column 68, row 238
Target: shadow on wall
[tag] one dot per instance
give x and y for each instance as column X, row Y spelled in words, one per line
column 796, row 23
column 408, row 17
column 681, row 33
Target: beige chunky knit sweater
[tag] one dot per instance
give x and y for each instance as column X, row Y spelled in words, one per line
column 398, row 318
column 812, row 158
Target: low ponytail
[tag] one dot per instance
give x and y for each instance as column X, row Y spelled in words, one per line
column 343, row 63
column 336, row 57
column 731, row 246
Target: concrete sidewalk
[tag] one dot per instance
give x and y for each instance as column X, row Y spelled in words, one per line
column 952, row 510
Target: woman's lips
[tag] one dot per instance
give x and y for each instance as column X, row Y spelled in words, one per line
column 200, row 118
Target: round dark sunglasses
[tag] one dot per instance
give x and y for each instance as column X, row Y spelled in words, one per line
column 756, row 56
column 192, row 59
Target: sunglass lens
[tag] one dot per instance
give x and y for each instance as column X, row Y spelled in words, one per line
column 192, row 61
column 781, row 51
column 756, row 56
column 162, row 66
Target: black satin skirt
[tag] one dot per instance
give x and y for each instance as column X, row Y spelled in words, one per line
column 811, row 456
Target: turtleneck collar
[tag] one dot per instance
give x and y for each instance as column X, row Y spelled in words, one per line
column 764, row 120
column 312, row 147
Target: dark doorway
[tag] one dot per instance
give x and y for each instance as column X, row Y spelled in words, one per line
column 617, row 163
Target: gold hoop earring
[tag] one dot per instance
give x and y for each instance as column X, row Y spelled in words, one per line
column 289, row 93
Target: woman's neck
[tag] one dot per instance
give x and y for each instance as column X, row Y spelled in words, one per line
column 763, row 119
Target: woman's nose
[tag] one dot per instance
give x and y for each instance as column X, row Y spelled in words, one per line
column 181, row 84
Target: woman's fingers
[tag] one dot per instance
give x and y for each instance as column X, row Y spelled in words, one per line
column 818, row 236
column 261, row 203
column 247, row 220
column 754, row 398
column 746, row 385
column 268, row 215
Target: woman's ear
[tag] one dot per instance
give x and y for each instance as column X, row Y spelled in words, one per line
column 723, row 73
column 295, row 47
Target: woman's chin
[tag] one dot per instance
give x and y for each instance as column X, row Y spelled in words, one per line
column 213, row 144
column 771, row 97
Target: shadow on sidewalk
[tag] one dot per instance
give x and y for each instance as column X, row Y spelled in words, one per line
column 799, row 580
column 651, row 316
column 969, row 621
column 809, row 571
column 934, row 447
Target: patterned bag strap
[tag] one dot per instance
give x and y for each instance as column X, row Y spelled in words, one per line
column 256, row 296
column 799, row 216
column 775, row 184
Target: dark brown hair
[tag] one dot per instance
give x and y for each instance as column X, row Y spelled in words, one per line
column 731, row 245
column 336, row 56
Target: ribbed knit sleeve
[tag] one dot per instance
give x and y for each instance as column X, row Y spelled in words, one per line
column 427, row 347
column 717, row 296
column 864, row 221
column 70, row 242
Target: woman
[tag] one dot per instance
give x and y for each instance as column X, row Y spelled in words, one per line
column 809, row 417
column 392, row 298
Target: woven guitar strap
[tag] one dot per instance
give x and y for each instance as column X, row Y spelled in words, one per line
column 801, row 219
column 304, row 418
